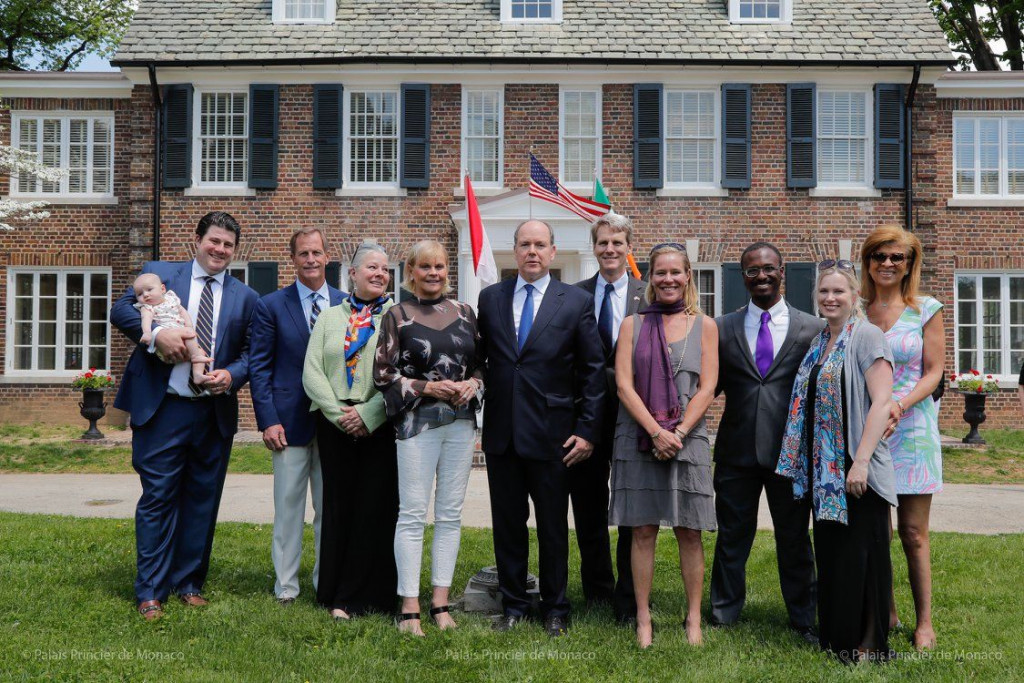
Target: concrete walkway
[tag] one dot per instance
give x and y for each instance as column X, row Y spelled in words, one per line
column 969, row 508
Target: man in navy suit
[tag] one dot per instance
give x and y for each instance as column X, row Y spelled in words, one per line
column 544, row 390
column 181, row 433
column 279, row 335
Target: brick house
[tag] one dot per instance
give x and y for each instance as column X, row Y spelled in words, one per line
column 714, row 122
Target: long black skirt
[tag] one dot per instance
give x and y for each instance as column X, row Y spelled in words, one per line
column 855, row 580
column 360, row 511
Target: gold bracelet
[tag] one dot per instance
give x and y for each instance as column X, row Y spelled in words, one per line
column 899, row 402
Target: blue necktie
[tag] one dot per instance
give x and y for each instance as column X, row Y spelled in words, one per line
column 314, row 311
column 604, row 319
column 526, row 319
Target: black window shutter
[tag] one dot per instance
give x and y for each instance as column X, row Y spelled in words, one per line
column 800, row 279
column 177, row 136
column 333, row 274
column 415, row 153
column 734, row 292
column 647, row 136
column 801, row 135
column 736, row 135
column 263, row 108
column 889, row 135
column 263, row 276
column 327, row 112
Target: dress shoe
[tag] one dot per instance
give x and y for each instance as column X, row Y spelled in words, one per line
column 286, row 602
column 194, row 600
column 625, row 619
column 507, row 622
column 556, row 627
column 807, row 634
column 151, row 610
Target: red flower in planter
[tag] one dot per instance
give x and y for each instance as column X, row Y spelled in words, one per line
column 980, row 390
column 975, row 372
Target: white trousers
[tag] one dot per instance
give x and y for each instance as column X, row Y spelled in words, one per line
column 444, row 453
column 296, row 469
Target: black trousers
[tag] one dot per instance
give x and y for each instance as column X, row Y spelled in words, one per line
column 513, row 481
column 360, row 511
column 737, row 494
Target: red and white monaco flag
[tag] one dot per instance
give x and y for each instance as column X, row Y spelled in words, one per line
column 483, row 257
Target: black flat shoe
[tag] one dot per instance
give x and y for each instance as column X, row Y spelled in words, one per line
column 507, row 622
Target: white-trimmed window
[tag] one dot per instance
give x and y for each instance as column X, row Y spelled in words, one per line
column 760, row 11
column 579, row 136
column 709, row 286
column 240, row 271
column 221, row 150
column 371, row 138
column 58, row 320
column 482, row 136
column 81, row 144
column 988, row 156
column 844, row 138
column 304, row 11
column 990, row 323
column 539, row 11
column 691, row 138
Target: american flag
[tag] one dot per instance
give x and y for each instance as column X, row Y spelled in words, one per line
column 544, row 186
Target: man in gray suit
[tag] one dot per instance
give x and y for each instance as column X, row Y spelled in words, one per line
column 616, row 294
column 760, row 348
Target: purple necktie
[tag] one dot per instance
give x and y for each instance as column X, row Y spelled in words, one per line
column 765, row 349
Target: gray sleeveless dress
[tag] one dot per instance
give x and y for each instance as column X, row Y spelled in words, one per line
column 671, row 493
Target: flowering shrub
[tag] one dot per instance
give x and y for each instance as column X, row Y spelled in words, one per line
column 972, row 382
column 91, row 379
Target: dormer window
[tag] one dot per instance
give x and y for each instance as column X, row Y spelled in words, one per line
column 304, row 11
column 760, row 11
column 531, row 11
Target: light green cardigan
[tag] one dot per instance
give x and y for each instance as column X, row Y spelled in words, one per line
column 323, row 375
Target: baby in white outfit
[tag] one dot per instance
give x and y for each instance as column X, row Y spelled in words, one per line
column 159, row 306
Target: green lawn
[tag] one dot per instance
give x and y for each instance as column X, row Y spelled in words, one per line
column 1000, row 462
column 67, row 612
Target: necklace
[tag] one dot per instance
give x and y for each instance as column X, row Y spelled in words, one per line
column 686, row 340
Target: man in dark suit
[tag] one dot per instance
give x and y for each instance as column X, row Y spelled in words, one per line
column 759, row 351
column 280, row 333
column 182, row 433
column 544, row 393
column 616, row 295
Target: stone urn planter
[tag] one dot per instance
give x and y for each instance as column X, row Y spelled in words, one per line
column 92, row 408
column 974, row 415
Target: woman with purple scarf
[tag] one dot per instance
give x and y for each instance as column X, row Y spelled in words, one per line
column 661, row 458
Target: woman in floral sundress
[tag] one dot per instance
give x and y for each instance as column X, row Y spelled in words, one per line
column 891, row 259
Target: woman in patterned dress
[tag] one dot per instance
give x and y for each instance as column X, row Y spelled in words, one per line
column 891, row 275
column 428, row 372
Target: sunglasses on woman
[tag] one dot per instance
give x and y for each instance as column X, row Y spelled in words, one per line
column 881, row 257
column 838, row 264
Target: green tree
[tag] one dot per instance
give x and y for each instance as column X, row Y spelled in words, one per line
column 55, row 35
column 987, row 34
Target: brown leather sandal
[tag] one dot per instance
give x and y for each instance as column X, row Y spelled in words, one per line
column 151, row 610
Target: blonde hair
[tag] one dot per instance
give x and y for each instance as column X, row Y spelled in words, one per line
column 691, row 298
column 421, row 251
column 851, row 279
column 892, row 234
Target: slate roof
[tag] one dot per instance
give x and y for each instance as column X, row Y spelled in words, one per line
column 823, row 31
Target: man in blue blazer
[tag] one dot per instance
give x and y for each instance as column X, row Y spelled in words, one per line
column 545, row 385
column 279, row 335
column 182, row 434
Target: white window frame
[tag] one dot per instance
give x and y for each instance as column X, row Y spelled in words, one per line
column 236, row 266
column 785, row 14
column 556, row 14
column 65, row 152
column 867, row 185
column 500, row 90
column 715, row 185
column 716, row 270
column 59, row 339
column 598, row 137
column 197, row 143
column 347, row 182
column 1006, row 379
column 280, row 7
column 1004, row 171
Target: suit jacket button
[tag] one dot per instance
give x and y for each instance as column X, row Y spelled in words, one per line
column 518, row 366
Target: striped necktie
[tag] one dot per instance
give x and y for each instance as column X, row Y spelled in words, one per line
column 314, row 312
column 204, row 328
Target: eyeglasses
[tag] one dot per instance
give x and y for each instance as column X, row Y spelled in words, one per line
column 840, row 264
column 754, row 271
column 881, row 257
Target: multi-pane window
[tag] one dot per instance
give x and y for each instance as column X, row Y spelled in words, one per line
column 305, row 9
column 223, row 137
column 988, row 155
column 581, row 135
column 532, row 9
column 760, row 9
column 691, row 137
column 842, row 137
column 58, row 320
column 707, row 288
column 990, row 323
column 81, row 145
column 482, row 136
column 373, row 137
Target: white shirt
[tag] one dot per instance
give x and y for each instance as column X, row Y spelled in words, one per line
column 324, row 298
column 519, row 297
column 778, row 326
column 618, row 301
column 178, row 382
